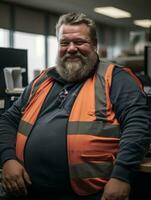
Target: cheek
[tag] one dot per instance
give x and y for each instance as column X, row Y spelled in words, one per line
column 86, row 51
column 62, row 52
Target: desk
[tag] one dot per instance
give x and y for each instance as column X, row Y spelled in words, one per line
column 146, row 165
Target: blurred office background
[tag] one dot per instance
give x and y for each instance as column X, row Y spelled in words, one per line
column 30, row 25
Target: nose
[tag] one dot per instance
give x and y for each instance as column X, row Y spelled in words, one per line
column 72, row 48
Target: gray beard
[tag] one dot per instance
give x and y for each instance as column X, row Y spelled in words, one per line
column 75, row 71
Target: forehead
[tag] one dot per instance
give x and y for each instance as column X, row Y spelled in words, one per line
column 78, row 30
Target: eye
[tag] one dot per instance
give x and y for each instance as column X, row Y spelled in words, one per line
column 79, row 42
column 64, row 43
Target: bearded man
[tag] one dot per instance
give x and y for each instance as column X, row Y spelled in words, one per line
column 80, row 130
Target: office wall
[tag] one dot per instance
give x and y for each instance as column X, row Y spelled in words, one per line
column 5, row 16
column 26, row 19
column 18, row 18
column 113, row 41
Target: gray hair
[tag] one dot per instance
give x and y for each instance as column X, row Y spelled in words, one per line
column 77, row 18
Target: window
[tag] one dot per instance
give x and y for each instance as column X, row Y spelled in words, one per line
column 4, row 38
column 34, row 43
column 52, row 50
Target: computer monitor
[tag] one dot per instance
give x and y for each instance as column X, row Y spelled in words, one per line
column 147, row 63
column 147, row 59
column 10, row 57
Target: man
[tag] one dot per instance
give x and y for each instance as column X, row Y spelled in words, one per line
column 80, row 129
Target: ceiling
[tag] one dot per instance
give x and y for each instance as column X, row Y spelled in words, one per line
column 140, row 9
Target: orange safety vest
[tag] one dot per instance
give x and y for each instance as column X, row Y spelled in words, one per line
column 92, row 134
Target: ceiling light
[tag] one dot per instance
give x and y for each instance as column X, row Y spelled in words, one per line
column 145, row 23
column 112, row 12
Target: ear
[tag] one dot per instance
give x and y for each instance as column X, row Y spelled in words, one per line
column 95, row 48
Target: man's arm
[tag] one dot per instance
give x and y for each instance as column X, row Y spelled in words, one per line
column 14, row 176
column 9, row 122
column 132, row 112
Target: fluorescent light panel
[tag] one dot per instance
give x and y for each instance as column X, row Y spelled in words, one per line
column 145, row 23
column 112, row 12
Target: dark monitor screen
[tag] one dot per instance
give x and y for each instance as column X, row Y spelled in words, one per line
column 148, row 60
column 10, row 57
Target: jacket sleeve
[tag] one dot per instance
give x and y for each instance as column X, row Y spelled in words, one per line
column 9, row 122
column 131, row 109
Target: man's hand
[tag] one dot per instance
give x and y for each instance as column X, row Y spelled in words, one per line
column 116, row 189
column 14, row 178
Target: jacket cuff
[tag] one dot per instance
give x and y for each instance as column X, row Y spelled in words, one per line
column 121, row 173
column 8, row 154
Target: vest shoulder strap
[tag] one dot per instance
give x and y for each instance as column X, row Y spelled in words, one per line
column 43, row 76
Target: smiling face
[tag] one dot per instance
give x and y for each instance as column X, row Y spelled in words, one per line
column 77, row 53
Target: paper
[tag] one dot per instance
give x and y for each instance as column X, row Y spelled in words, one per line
column 13, row 77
